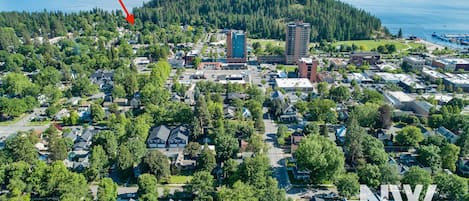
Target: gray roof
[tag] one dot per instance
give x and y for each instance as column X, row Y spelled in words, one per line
column 278, row 94
column 180, row 132
column 80, row 146
column 100, row 74
column 232, row 96
column 424, row 105
column 88, row 134
column 161, row 132
column 71, row 135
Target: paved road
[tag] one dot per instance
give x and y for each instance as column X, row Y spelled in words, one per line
column 22, row 125
column 276, row 154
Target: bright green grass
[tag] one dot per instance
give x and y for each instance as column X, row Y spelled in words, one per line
column 264, row 42
column 373, row 44
column 179, row 179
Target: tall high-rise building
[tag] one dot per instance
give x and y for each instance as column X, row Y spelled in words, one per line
column 236, row 46
column 308, row 68
column 297, row 41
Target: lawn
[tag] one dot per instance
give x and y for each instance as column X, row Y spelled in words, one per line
column 373, row 44
column 176, row 179
column 7, row 123
column 264, row 42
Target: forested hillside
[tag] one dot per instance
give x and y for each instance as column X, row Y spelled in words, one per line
column 331, row 19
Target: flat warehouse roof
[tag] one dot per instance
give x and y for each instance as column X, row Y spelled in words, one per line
column 293, row 83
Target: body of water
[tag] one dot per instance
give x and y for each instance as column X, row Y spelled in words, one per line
column 421, row 18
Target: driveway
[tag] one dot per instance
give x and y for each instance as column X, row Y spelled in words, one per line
column 276, row 154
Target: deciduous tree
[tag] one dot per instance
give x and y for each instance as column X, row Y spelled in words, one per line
column 320, row 156
column 157, row 164
column 409, row 136
column 348, row 185
column 107, row 190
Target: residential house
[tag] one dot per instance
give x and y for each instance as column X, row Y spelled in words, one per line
column 278, row 95
column 184, row 163
column 121, row 102
column 400, row 167
column 463, row 166
column 158, row 137
column 80, row 146
column 230, row 112
column 295, row 139
column 84, row 111
column 232, row 96
column 135, row 103
column 301, row 174
column 72, row 134
column 289, row 113
column 340, row 133
column 102, row 78
column 178, row 137
column 449, row 135
column 246, row 113
column 97, row 96
column 63, row 113
column 87, row 134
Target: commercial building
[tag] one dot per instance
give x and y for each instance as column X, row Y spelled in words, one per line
column 414, row 63
column 271, row 59
column 457, row 81
column 190, row 56
column 421, row 108
column 362, row 58
column 297, row 41
column 432, row 75
column 359, row 78
column 404, row 80
column 451, row 64
column 398, row 99
column 236, row 46
column 294, row 84
column 450, row 80
column 308, row 68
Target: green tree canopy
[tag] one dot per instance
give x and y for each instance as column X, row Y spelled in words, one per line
column 107, row 190
column 348, row 185
column 157, row 164
column 202, row 185
column 409, row 136
column 321, row 157
column 147, row 184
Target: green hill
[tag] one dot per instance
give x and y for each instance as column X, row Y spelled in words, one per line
column 331, row 19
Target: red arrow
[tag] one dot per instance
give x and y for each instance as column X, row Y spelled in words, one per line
column 130, row 18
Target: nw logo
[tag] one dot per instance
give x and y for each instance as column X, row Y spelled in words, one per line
column 367, row 195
